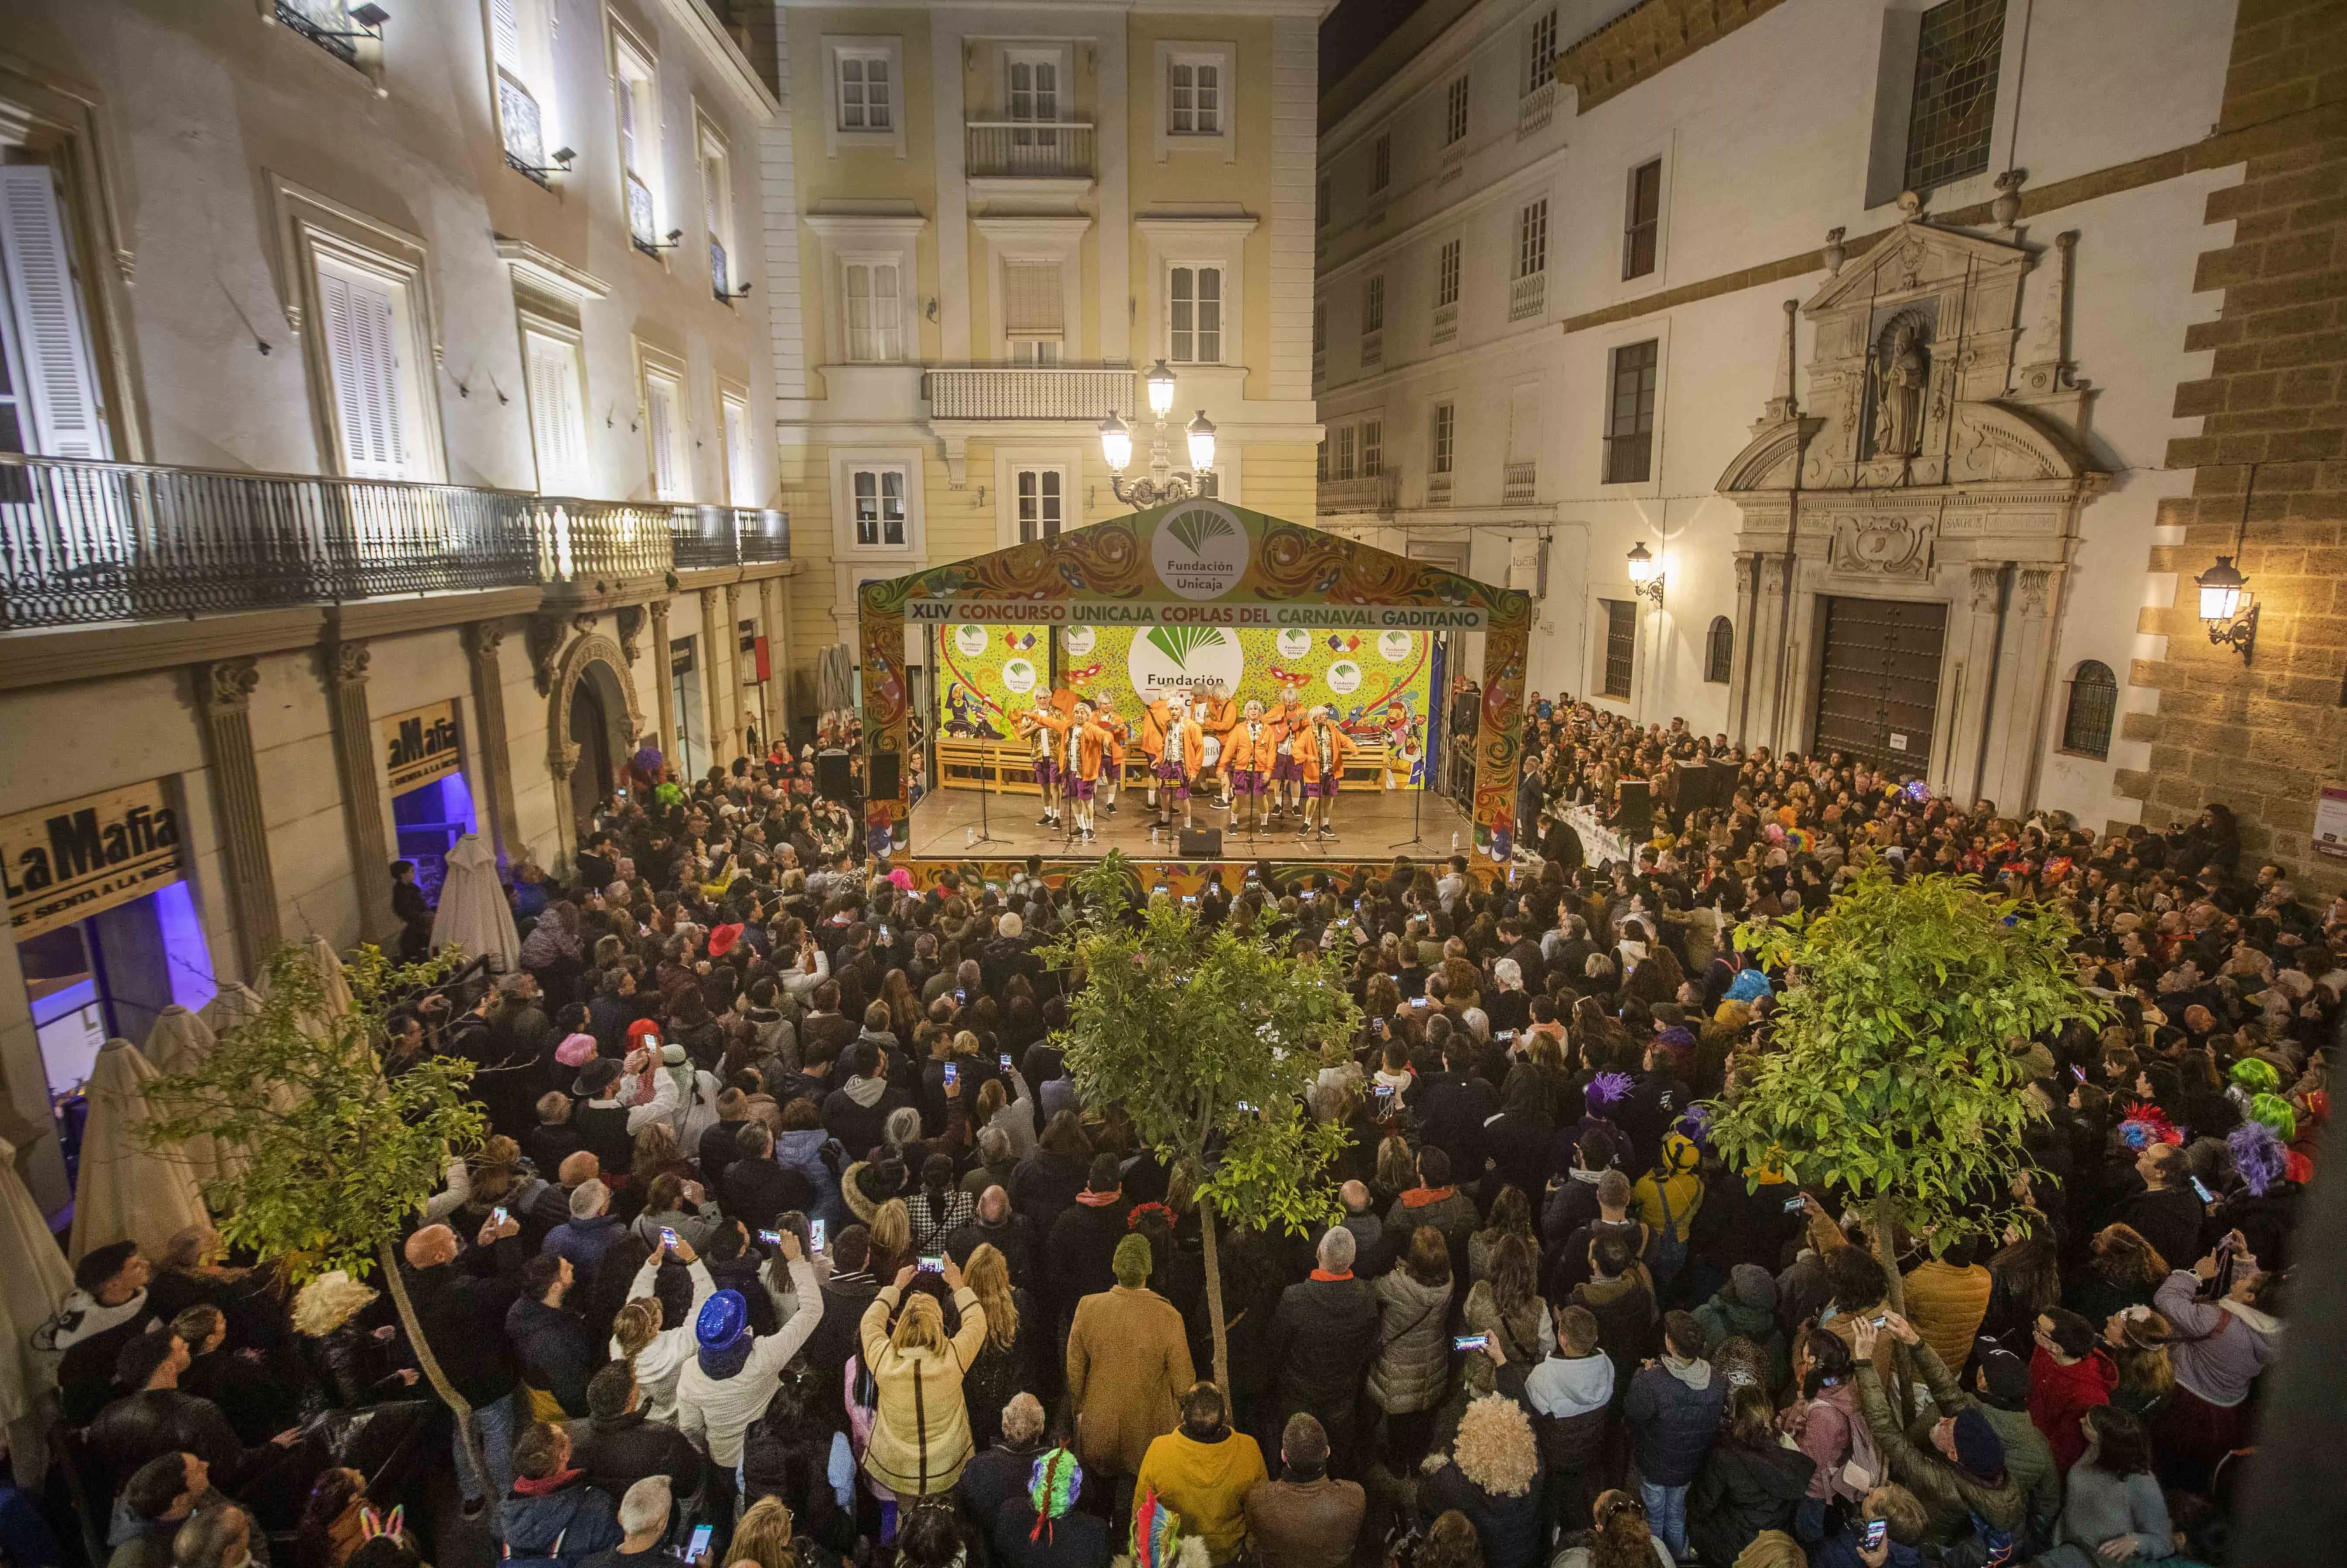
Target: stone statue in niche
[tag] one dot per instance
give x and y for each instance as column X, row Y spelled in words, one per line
column 1901, row 371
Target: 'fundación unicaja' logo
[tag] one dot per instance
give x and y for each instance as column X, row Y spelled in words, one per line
column 1200, row 550
column 1170, row 658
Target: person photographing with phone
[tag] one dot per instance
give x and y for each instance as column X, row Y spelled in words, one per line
column 920, row 1429
column 1959, row 1475
column 732, row 1376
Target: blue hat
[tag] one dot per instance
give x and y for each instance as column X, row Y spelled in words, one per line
column 1748, row 986
column 722, row 1330
column 1979, row 1449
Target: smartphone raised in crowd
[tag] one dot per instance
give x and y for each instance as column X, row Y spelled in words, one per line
column 1005, row 1060
column 698, row 1546
column 933, row 1262
column 815, row 1236
column 1470, row 1341
column 953, row 1074
column 498, row 1214
column 2201, row 1188
column 771, row 1238
column 1877, row 1530
column 1793, row 1204
column 667, row 1236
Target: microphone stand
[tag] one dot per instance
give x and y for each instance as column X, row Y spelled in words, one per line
column 984, row 774
column 1417, row 807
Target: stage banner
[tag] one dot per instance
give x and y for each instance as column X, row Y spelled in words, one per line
column 1379, row 683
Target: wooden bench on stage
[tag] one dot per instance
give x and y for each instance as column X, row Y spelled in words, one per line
column 1008, row 767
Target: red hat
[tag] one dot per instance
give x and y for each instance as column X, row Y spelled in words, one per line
column 721, row 940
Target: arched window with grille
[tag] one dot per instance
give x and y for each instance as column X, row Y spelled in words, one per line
column 1720, row 650
column 2094, row 702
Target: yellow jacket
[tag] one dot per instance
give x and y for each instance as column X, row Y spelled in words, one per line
column 920, row 1441
column 1682, row 1187
column 1204, row 1483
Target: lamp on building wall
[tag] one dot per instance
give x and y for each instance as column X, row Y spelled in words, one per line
column 563, row 159
column 2227, row 607
column 1645, row 574
column 1165, row 482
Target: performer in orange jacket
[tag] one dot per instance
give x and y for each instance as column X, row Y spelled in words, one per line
column 1249, row 757
column 1287, row 721
column 1320, row 751
column 1044, row 728
column 1186, row 754
column 1218, row 716
column 1156, row 719
column 1087, row 755
column 1111, row 722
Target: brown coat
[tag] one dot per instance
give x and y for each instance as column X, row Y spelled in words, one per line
column 1304, row 1524
column 1128, row 1367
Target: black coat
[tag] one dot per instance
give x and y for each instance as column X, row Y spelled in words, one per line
column 1080, row 1259
column 555, row 1350
column 139, row 1427
column 1507, row 1527
column 756, row 1190
column 1742, row 1491
column 1323, row 1338
column 463, row 1314
column 1044, row 1184
column 616, row 1452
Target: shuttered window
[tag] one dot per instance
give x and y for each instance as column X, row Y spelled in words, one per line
column 664, row 421
column 1195, row 328
column 741, row 482
column 1620, row 645
column 362, row 317
column 557, row 416
column 55, row 404
column 1031, row 299
column 873, row 334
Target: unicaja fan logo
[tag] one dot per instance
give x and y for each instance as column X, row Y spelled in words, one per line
column 1200, row 550
column 1167, row 659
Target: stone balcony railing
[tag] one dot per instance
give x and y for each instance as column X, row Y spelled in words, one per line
column 1371, row 493
column 1026, row 149
column 1088, row 393
column 83, row 543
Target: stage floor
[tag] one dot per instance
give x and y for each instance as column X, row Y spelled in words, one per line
column 1370, row 824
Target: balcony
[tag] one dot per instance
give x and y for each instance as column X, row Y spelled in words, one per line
column 1528, row 297
column 1026, row 149
column 1446, row 321
column 1437, row 489
column 720, row 280
column 1536, row 108
column 1373, row 348
column 82, row 543
column 1454, row 162
column 1371, row 495
column 1519, row 483
column 524, row 130
column 1038, row 392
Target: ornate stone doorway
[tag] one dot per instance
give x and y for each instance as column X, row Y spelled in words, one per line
column 592, row 724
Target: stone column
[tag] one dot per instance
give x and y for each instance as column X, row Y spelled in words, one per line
column 2023, row 672
column 224, row 693
column 1768, row 630
column 712, row 683
column 344, row 668
column 1739, row 669
column 662, row 683
column 775, row 592
column 730, row 732
column 1972, row 644
column 482, row 641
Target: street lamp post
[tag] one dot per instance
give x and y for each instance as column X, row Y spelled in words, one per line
column 1164, row 482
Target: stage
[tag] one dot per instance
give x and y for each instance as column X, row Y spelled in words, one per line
column 1370, row 826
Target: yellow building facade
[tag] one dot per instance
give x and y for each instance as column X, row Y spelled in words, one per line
column 999, row 218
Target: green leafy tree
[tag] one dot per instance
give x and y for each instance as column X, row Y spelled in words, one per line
column 1208, row 1038
column 334, row 1157
column 1895, row 1069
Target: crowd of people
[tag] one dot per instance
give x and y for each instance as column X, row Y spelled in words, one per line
column 795, row 1242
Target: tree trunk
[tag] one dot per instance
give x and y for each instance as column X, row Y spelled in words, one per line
column 1894, row 1293
column 1214, row 1301
column 467, row 1431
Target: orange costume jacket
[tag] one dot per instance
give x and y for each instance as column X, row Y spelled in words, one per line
column 1253, row 747
column 1222, row 715
column 1192, row 738
column 1113, row 725
column 1308, row 750
column 1055, row 746
column 1154, row 722
column 1088, row 748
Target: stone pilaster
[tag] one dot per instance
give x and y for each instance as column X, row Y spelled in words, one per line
column 483, row 641
column 775, row 593
column 344, row 667
column 663, row 684
column 224, row 693
column 728, row 734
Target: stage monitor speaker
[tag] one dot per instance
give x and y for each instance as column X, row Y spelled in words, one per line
column 1201, row 844
column 1723, row 777
column 1635, row 818
column 1690, row 787
column 886, row 766
column 833, row 775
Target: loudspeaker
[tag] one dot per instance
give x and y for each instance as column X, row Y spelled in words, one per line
column 1700, row 786
column 884, row 769
column 1635, row 818
column 1205, row 844
column 833, row 775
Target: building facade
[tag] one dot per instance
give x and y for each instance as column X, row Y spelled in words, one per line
column 1860, row 323
column 998, row 217
column 391, row 398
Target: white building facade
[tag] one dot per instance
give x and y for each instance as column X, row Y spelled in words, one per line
column 1595, row 279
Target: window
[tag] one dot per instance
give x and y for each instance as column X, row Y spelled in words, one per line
column 49, row 377
column 556, row 413
column 367, row 316
column 325, row 22
column 1373, row 304
column 1033, row 311
column 1319, row 326
column 741, row 478
column 2094, row 702
column 1446, row 275
column 1954, row 101
column 874, row 335
column 1320, row 461
column 638, row 106
column 1031, row 85
column 1642, row 220
column 664, row 433
column 519, row 46
column 1194, row 96
column 1341, row 467
column 1320, row 203
column 1373, row 449
column 1439, row 456
column 1195, row 327
column 1630, row 414
column 1620, row 645
column 880, row 506
column 866, row 93
column 1454, row 112
column 1540, row 53
column 1040, row 493
column 1381, row 162
column 1532, row 240
column 1719, row 650
column 717, row 214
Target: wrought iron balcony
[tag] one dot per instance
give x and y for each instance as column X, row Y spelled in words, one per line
column 1536, row 108
column 1372, row 494
column 83, row 543
column 1519, row 483
column 1028, row 150
column 1030, row 392
column 1528, row 297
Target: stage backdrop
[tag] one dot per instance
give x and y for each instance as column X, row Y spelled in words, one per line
column 1376, row 680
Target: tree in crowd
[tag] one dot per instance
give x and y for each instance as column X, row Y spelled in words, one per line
column 333, row 1155
column 1208, row 1038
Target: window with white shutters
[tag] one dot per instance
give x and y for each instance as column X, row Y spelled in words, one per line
column 1195, row 323
column 879, row 495
column 874, row 335
column 557, row 415
column 717, row 215
column 741, row 481
column 867, row 98
column 362, row 318
column 1194, row 96
column 1033, row 311
column 640, row 149
column 1042, row 494
column 53, row 375
column 665, row 425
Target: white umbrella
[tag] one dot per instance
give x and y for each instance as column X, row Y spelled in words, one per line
column 330, row 975
column 473, row 914
column 127, row 1190
column 236, row 1003
column 33, row 1286
column 181, row 1042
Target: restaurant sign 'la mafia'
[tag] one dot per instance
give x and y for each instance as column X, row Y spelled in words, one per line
column 64, row 863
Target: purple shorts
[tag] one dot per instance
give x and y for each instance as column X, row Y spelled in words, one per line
column 1169, row 767
column 1078, row 789
column 1249, row 781
column 1321, row 788
column 1287, row 770
column 1044, row 772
